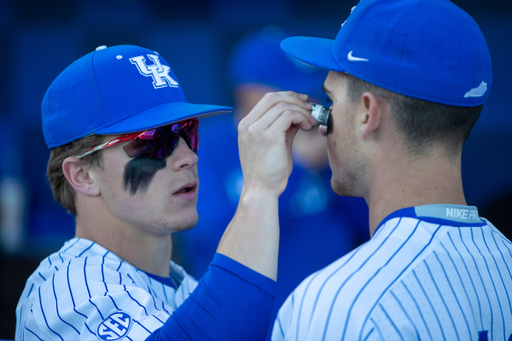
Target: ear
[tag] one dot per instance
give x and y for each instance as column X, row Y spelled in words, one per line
column 370, row 118
column 79, row 176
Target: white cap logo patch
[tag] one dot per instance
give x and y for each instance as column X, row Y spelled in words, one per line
column 159, row 72
column 477, row 92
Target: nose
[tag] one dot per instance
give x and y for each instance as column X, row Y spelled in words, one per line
column 183, row 157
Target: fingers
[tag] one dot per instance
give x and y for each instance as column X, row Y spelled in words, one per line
column 289, row 119
column 281, row 117
column 265, row 139
column 322, row 130
column 273, row 105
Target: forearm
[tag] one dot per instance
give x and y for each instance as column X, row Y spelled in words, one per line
column 265, row 138
column 252, row 237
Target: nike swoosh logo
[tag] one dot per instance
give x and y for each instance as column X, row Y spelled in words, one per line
column 355, row 59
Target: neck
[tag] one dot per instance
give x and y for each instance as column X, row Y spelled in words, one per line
column 433, row 179
column 146, row 251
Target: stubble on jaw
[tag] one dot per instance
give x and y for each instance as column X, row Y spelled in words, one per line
column 349, row 178
column 344, row 187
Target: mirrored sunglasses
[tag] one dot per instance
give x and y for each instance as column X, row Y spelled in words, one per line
column 157, row 143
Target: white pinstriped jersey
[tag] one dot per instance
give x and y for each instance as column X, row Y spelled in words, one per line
column 85, row 292
column 434, row 272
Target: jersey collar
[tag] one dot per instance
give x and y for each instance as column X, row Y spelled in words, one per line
column 444, row 214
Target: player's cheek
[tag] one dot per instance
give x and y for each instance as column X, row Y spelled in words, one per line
column 331, row 151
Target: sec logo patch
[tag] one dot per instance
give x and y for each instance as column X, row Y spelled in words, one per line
column 115, row 327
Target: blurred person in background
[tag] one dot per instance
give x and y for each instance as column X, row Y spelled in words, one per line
column 13, row 197
column 316, row 226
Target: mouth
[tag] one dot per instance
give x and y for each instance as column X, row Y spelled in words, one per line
column 187, row 188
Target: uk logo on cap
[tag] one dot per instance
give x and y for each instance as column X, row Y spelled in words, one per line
column 115, row 327
column 157, row 71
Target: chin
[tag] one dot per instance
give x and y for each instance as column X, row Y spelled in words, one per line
column 186, row 223
column 338, row 188
column 176, row 222
column 184, row 227
column 346, row 188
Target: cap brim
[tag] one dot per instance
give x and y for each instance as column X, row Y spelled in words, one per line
column 313, row 51
column 162, row 115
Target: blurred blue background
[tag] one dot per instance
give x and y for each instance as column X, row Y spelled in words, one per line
column 38, row 39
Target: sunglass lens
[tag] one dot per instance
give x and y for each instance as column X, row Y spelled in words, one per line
column 139, row 148
column 191, row 131
column 160, row 142
column 166, row 141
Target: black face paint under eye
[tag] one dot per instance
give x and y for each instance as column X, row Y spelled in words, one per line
column 139, row 172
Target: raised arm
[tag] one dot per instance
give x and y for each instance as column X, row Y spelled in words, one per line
column 265, row 140
column 233, row 300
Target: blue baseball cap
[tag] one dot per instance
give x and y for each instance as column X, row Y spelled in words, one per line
column 258, row 58
column 426, row 49
column 115, row 90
